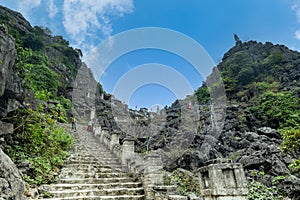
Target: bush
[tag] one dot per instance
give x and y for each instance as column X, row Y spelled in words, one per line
column 38, row 140
column 35, row 74
column 278, row 110
column 281, row 110
column 258, row 191
column 33, row 42
column 185, row 182
column 203, row 95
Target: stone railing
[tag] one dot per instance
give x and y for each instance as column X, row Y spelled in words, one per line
column 218, row 180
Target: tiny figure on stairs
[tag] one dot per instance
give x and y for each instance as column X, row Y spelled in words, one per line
column 73, row 119
column 90, row 126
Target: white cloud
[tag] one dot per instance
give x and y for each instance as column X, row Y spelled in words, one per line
column 297, row 34
column 52, row 9
column 25, row 6
column 84, row 19
column 296, row 8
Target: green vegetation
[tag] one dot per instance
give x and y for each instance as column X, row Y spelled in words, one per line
column 203, row 95
column 242, row 69
column 45, row 64
column 100, row 88
column 278, row 110
column 239, row 71
column 258, row 191
column 37, row 139
column 185, row 182
column 281, row 111
column 291, row 144
column 31, row 67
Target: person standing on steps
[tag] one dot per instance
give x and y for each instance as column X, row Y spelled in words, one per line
column 73, row 119
column 90, row 125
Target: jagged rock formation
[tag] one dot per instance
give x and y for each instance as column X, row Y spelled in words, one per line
column 59, row 60
column 10, row 87
column 84, row 93
column 11, row 183
column 245, row 138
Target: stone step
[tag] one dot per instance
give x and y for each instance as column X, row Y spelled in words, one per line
column 99, row 169
column 91, row 162
column 122, row 197
column 93, row 172
column 78, row 166
column 82, row 162
column 177, row 197
column 92, row 175
column 97, row 192
column 92, row 186
column 96, row 180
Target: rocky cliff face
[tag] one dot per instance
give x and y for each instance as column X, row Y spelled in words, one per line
column 11, row 182
column 84, row 93
column 244, row 137
column 12, row 185
column 10, row 87
column 54, row 57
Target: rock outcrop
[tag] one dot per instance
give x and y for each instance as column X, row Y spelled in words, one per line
column 10, row 87
column 84, row 93
column 11, row 183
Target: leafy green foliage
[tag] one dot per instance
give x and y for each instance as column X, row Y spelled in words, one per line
column 278, row 110
column 258, row 191
column 100, row 88
column 32, row 68
column 185, row 182
column 273, row 59
column 38, row 140
column 281, row 110
column 33, row 42
column 291, row 144
column 202, row 94
column 241, row 69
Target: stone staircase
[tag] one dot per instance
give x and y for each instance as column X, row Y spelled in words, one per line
column 93, row 172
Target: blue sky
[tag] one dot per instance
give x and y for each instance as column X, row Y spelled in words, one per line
column 211, row 23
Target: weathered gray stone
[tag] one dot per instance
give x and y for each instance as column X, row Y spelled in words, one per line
column 223, row 181
column 7, row 58
column 127, row 150
column 11, row 183
column 267, row 131
column 84, row 91
column 6, row 128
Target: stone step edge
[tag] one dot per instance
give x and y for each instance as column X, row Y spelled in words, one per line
column 94, row 184
column 96, row 179
column 100, row 197
column 95, row 190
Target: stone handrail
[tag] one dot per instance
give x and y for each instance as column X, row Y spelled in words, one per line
column 218, row 180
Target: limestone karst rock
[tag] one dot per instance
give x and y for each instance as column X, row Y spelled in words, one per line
column 11, row 183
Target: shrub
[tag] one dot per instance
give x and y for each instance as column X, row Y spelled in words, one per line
column 203, row 95
column 278, row 110
column 38, row 140
column 185, row 182
column 258, row 191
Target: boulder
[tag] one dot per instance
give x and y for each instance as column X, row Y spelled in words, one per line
column 11, row 183
column 269, row 132
column 6, row 128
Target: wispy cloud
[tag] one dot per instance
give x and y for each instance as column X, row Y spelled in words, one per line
column 297, row 34
column 25, row 6
column 86, row 19
column 52, row 9
column 296, row 9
